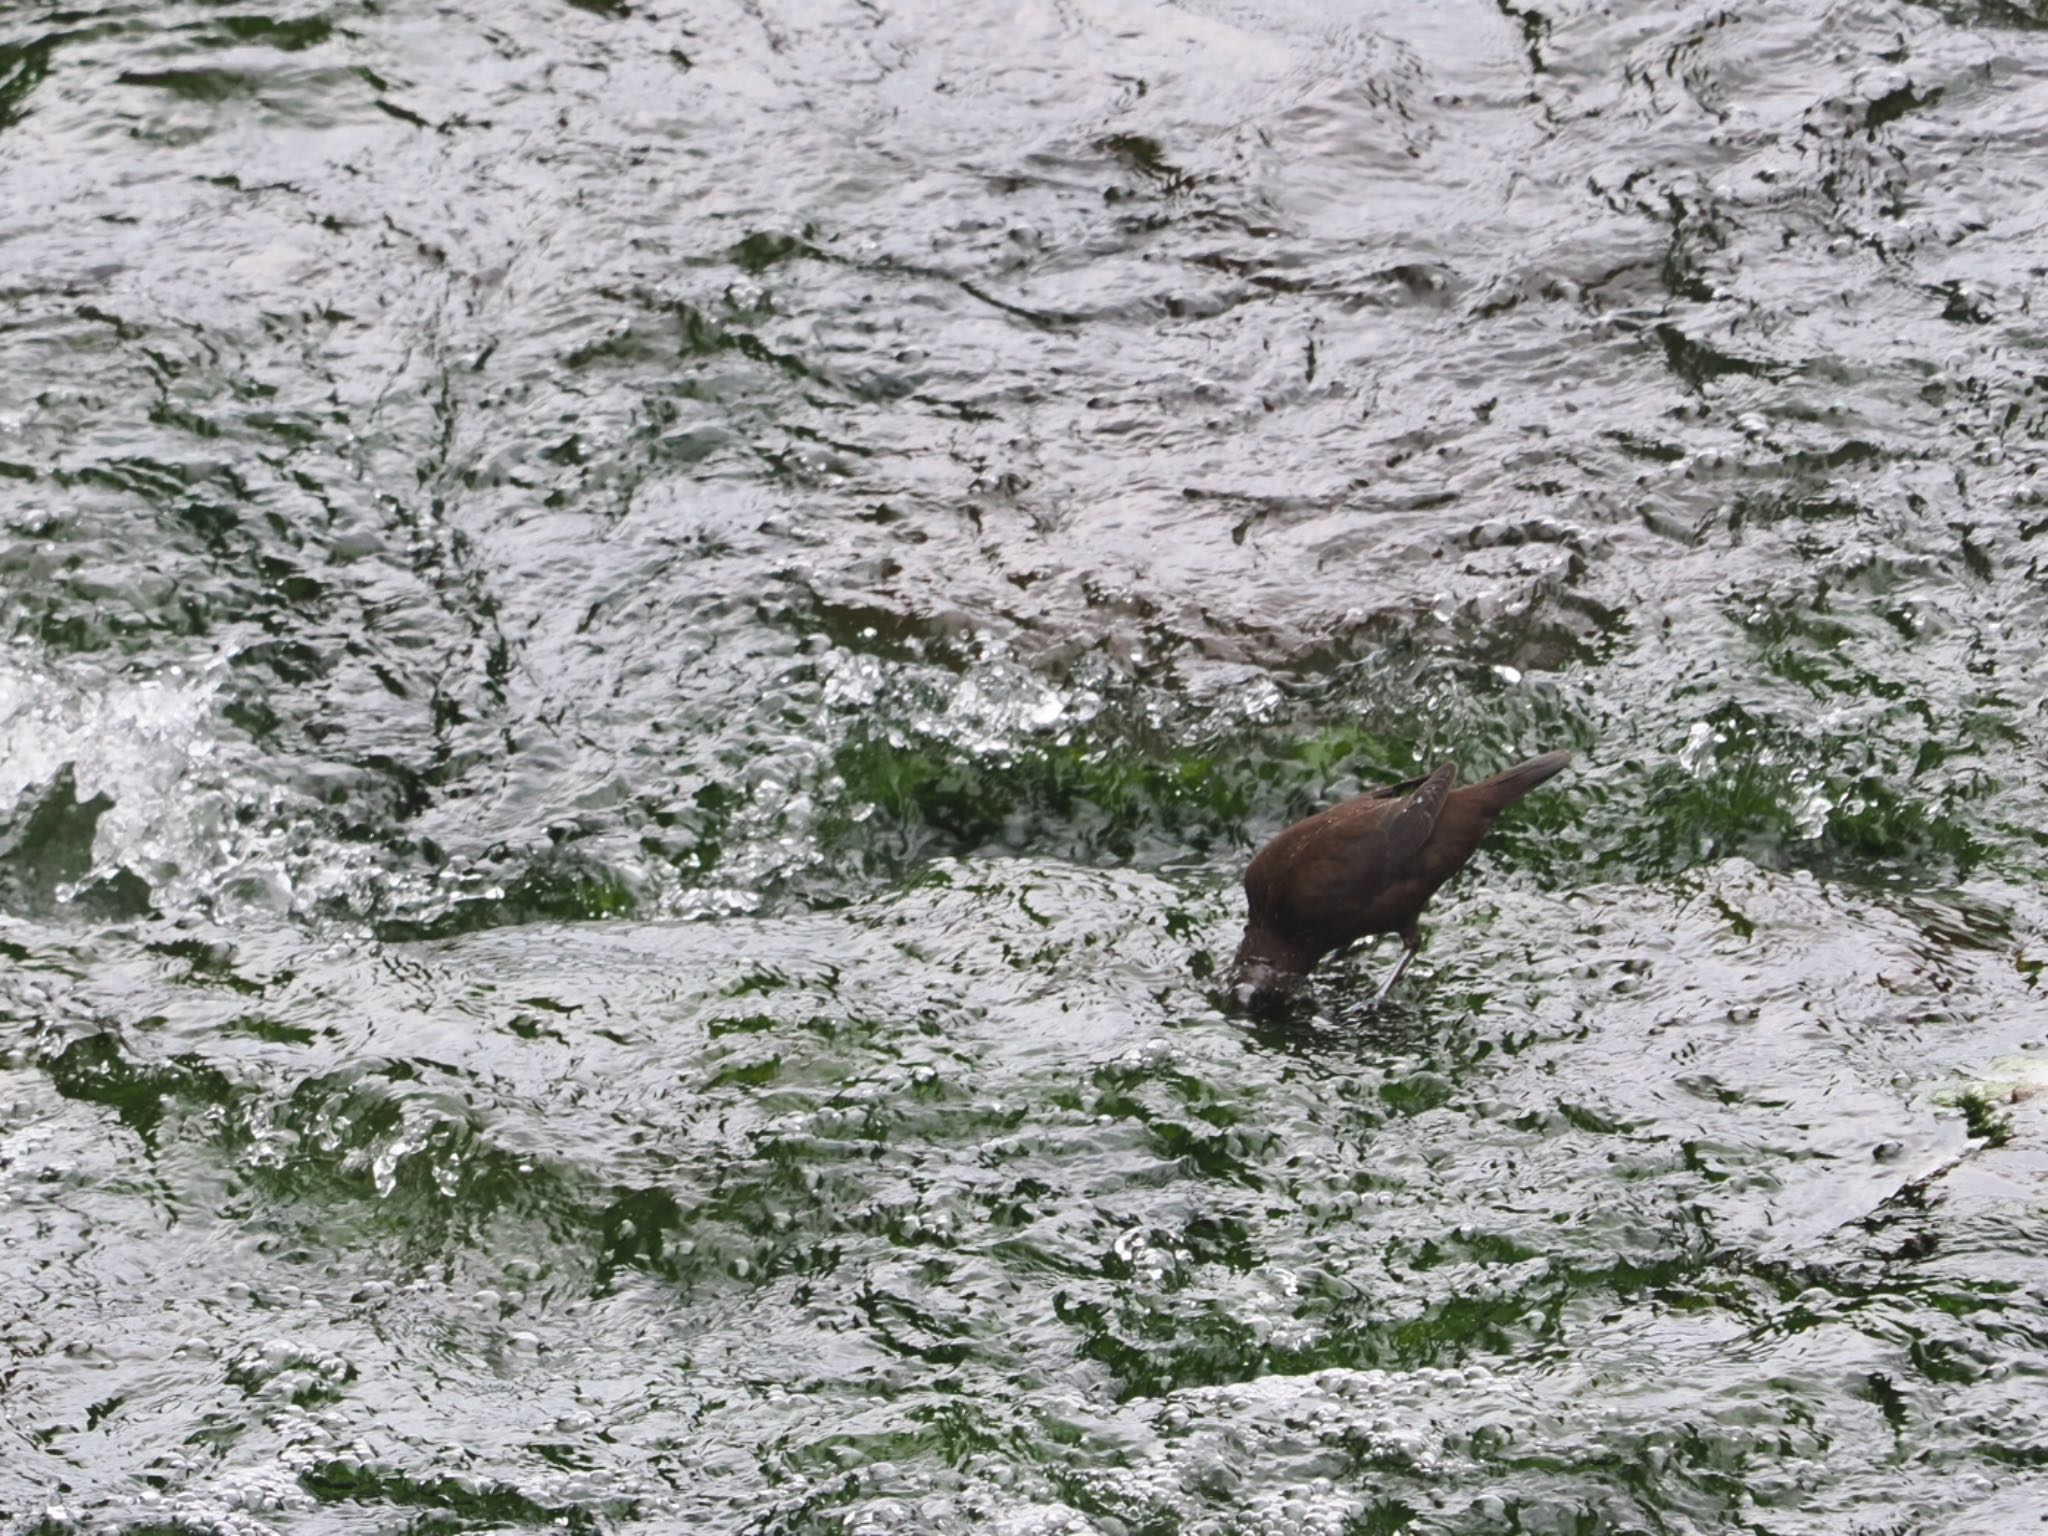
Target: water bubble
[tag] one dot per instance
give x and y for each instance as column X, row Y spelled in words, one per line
column 1696, row 756
column 1810, row 814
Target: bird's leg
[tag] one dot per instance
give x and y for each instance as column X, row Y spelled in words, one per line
column 1411, row 941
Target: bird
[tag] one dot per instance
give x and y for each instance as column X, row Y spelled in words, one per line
column 1365, row 866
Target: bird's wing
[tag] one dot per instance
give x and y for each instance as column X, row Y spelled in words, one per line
column 1394, row 791
column 1402, row 833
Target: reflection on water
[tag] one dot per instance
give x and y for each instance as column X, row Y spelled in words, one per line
column 644, row 648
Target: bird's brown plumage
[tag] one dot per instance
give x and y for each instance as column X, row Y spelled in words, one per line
column 1368, row 865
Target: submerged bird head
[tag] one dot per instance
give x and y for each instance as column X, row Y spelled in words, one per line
column 1267, row 972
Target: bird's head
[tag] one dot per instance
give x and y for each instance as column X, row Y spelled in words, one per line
column 1267, row 972
column 1260, row 988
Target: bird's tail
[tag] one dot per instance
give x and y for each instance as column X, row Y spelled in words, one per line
column 1510, row 784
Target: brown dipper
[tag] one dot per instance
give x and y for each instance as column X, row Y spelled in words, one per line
column 1368, row 865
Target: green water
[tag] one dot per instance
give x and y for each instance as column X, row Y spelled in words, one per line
column 644, row 645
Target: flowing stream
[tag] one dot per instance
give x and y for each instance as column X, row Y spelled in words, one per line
column 642, row 641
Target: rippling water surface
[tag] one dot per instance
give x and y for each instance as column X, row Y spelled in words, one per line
column 644, row 642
